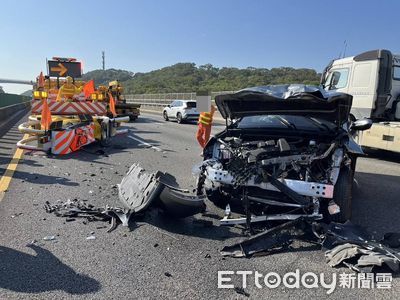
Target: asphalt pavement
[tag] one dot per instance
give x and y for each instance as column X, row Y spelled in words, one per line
column 156, row 257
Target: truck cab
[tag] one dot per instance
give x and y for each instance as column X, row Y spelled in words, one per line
column 372, row 78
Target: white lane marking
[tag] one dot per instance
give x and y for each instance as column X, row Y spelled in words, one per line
column 145, row 143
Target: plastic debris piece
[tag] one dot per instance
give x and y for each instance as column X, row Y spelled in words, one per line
column 241, row 291
column 91, row 237
column 72, row 209
column 49, row 238
column 168, row 274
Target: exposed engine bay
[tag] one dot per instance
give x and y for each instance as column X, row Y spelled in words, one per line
column 295, row 174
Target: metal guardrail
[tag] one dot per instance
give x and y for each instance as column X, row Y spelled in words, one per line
column 158, row 101
column 11, row 99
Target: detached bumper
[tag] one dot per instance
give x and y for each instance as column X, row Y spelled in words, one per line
column 139, row 190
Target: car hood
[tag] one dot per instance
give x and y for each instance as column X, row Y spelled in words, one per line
column 294, row 99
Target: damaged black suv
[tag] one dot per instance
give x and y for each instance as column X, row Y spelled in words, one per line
column 287, row 152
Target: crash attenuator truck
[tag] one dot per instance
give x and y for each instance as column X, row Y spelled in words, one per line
column 373, row 79
column 73, row 117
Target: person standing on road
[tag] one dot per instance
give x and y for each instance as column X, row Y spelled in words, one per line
column 205, row 123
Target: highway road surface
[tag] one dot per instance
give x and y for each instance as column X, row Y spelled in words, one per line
column 156, row 257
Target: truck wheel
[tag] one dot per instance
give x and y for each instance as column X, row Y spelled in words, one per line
column 165, row 115
column 179, row 118
column 132, row 118
column 342, row 194
column 105, row 137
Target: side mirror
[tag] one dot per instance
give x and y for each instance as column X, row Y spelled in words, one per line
column 169, row 105
column 361, row 124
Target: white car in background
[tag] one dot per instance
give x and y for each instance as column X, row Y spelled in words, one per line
column 181, row 110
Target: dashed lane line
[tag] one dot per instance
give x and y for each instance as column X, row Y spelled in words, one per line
column 145, row 143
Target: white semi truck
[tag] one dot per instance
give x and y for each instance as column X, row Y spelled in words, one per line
column 373, row 78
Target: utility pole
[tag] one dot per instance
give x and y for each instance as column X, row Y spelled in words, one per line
column 103, row 58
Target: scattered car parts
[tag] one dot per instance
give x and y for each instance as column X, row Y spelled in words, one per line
column 346, row 244
column 72, row 209
column 137, row 191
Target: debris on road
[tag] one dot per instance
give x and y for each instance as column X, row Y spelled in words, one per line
column 241, row 291
column 72, row 209
column 49, row 238
column 168, row 274
column 353, row 247
column 275, row 239
column 346, row 244
column 16, row 215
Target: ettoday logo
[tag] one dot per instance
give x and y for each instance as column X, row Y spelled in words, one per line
column 308, row 280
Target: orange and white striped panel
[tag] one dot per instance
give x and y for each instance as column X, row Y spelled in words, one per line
column 70, row 108
column 61, row 141
column 67, row 141
column 88, row 132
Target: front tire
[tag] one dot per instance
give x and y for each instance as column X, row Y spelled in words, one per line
column 165, row 115
column 342, row 194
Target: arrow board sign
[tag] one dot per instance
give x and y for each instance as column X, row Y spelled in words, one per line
column 64, row 69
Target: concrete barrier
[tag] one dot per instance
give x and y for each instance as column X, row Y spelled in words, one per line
column 7, row 111
column 157, row 105
column 11, row 99
column 217, row 116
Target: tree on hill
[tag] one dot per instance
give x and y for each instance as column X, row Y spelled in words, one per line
column 187, row 77
column 103, row 77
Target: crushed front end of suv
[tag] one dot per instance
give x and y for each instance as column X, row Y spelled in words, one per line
column 287, row 152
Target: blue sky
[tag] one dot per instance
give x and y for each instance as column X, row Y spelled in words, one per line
column 143, row 35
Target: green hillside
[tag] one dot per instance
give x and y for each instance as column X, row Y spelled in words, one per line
column 187, row 77
column 103, row 77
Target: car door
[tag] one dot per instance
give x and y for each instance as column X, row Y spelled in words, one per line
column 175, row 108
column 170, row 110
column 178, row 108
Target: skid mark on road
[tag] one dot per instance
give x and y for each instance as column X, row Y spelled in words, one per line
column 145, row 143
column 8, row 174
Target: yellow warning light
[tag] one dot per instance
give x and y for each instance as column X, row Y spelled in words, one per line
column 93, row 96
column 39, row 94
column 100, row 97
